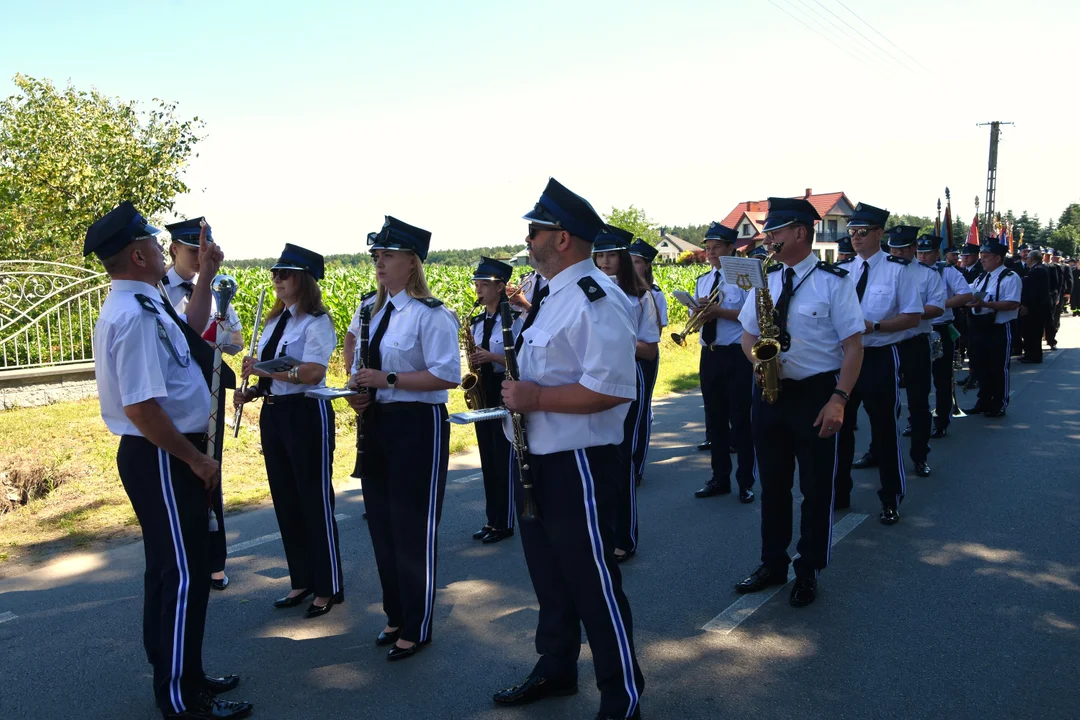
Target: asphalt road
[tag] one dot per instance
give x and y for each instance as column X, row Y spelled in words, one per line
column 969, row 608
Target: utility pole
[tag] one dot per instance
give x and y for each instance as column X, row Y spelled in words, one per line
column 991, row 172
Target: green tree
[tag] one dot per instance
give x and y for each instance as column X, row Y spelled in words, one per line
column 67, row 157
column 1066, row 240
column 690, row 233
column 1071, row 216
column 634, row 220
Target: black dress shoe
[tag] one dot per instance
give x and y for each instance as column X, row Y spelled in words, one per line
column 638, row 479
column 994, row 413
column 219, row 584
column 803, row 593
column 399, row 653
column 762, row 578
column 1026, row 361
column 713, row 488
column 315, row 611
column 746, row 496
column 866, row 461
column 889, row 515
column 495, row 536
column 842, row 503
column 625, row 556
column 387, row 638
column 219, row 685
column 938, row 433
column 479, row 534
column 907, row 431
column 207, row 708
column 922, row 469
column 977, row 410
column 707, row 445
column 288, row 602
column 534, row 688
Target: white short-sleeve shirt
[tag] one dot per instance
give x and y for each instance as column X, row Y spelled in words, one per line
column 955, row 284
column 421, row 335
column 890, row 291
column 1000, row 285
column 495, row 343
column 931, row 292
column 308, row 338
column 179, row 295
column 728, row 332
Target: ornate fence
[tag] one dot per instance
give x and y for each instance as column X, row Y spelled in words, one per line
column 47, row 313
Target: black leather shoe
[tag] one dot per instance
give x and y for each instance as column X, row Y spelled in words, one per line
column 762, row 578
column 707, row 445
column 922, row 469
column 1026, row 361
column 219, row 685
column 889, row 515
column 479, row 534
column 977, row 410
column 625, row 556
column 638, row 479
column 387, row 638
column 907, row 431
column 207, row 708
column 713, row 488
column 219, row 584
column 534, row 688
column 746, row 496
column 495, row 536
column 994, row 414
column 399, row 653
column 315, row 611
column 635, row 716
column 842, row 503
column 866, row 461
column 938, row 433
column 288, row 602
column 803, row 593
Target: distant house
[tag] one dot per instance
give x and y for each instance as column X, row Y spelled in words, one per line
column 671, row 247
column 835, row 208
column 521, row 259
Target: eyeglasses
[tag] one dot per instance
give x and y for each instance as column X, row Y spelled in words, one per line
column 535, row 230
column 281, row 274
column 860, row 232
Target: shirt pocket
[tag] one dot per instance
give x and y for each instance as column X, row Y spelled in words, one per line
column 814, row 312
column 398, row 345
column 538, row 344
column 878, row 299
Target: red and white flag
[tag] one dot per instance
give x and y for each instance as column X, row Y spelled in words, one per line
column 973, row 233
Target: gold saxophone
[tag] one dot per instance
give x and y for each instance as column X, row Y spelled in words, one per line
column 766, row 351
column 470, row 382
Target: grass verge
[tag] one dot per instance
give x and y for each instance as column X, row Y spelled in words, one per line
column 90, row 506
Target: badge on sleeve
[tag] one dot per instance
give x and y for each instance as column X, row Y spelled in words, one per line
column 591, row 288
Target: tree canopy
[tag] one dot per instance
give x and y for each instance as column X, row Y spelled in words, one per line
column 69, row 156
column 634, row 220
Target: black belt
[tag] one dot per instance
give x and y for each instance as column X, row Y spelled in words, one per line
column 820, row 377
column 731, row 345
column 285, row 399
column 197, row 438
column 403, row 406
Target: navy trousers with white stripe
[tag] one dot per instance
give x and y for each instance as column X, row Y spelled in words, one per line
column 408, row 453
column 649, row 369
column 785, row 434
column 626, row 524
column 569, row 550
column 298, row 447
column 170, row 503
column 917, row 368
column 726, row 381
column 878, row 388
column 993, row 344
column 495, row 461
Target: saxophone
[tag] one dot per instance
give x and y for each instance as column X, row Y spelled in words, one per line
column 470, row 382
column 766, row 351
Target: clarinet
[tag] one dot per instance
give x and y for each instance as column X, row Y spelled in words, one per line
column 362, row 361
column 521, row 441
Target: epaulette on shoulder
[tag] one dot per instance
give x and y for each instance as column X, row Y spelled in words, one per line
column 844, row 261
column 831, row 269
column 165, row 280
column 476, row 318
column 432, row 302
column 895, row 259
column 774, row 268
column 655, row 287
column 707, row 272
column 591, row 288
column 146, row 303
column 318, row 313
column 1007, row 272
column 368, row 295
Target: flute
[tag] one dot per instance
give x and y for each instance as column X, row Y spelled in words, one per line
column 251, row 353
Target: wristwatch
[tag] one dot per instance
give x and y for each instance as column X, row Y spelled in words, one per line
column 877, row 327
column 391, row 379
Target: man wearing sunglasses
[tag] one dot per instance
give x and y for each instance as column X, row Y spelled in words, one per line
column 891, row 306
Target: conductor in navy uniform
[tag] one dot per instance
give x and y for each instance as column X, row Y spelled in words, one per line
column 577, row 374
column 152, row 371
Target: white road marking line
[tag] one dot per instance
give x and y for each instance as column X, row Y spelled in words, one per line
column 4, row 617
column 745, row 606
column 260, row 540
column 468, row 478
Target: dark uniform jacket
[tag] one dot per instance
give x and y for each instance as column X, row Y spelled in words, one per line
column 1035, row 294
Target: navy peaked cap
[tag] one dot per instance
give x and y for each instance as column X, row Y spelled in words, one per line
column 788, row 211
column 612, row 238
column 560, row 207
column 116, row 230
column 491, row 269
column 398, row 235
column 643, row 250
column 187, row 232
column 868, row 216
column 717, row 231
column 294, row 257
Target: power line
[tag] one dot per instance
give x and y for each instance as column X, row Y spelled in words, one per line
column 846, row 34
column 872, row 43
column 818, row 23
column 827, row 38
column 883, row 35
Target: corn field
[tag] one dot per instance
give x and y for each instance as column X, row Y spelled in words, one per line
column 343, row 286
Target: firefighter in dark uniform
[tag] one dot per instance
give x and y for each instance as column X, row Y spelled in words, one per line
column 153, row 375
column 1034, row 307
column 486, row 327
column 577, row 374
column 821, row 324
column 996, row 304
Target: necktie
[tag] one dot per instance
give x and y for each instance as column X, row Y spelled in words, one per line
column 487, row 369
column 376, row 340
column 531, row 317
column 187, row 287
column 271, row 347
column 782, row 308
column 861, row 287
column 708, row 332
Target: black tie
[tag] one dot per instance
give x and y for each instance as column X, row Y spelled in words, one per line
column 531, row 317
column 861, row 287
column 708, row 333
column 782, row 308
column 187, row 287
column 376, row 340
column 271, row 347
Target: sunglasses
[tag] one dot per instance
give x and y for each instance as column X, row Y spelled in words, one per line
column 535, row 230
column 860, row 232
column 281, row 274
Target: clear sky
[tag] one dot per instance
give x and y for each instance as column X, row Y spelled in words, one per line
column 324, row 116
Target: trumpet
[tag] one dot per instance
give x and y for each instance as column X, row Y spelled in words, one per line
column 524, row 288
column 698, row 319
column 251, row 353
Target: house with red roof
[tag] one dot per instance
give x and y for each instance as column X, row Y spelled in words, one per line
column 835, row 208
